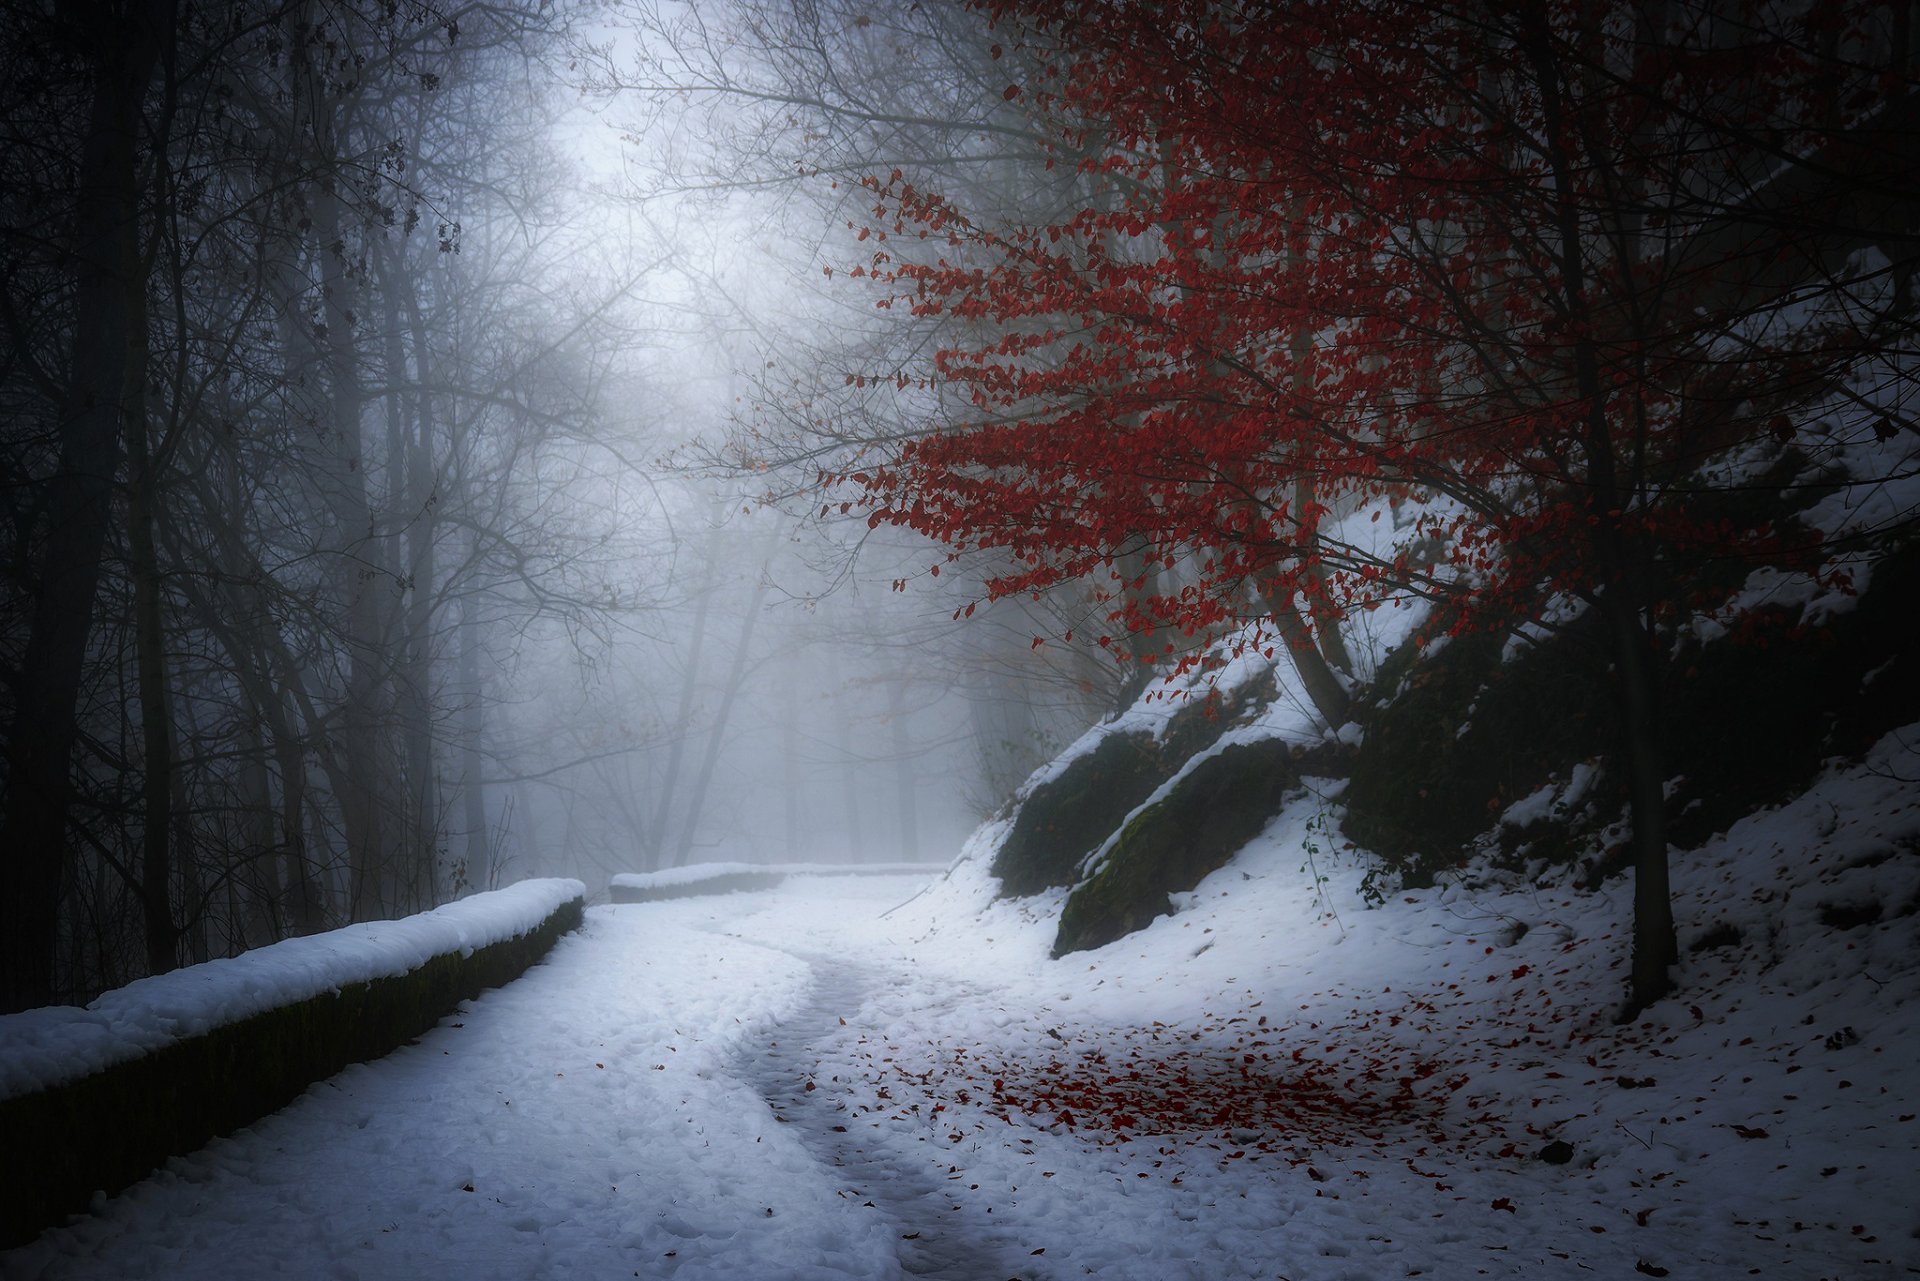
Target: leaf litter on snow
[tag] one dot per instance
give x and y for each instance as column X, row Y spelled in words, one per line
column 1445, row 1064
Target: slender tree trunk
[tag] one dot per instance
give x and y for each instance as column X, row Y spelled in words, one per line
column 1655, row 946
column 422, row 507
column 156, row 719
column 473, row 793
column 790, row 754
column 683, row 716
column 257, row 900
column 1636, row 669
column 192, row 934
column 410, row 467
column 365, row 788
column 158, row 782
column 103, row 399
column 1139, row 584
column 472, row 869
column 360, row 576
column 906, row 782
column 716, row 735
column 1323, row 688
column 843, row 749
column 1326, row 619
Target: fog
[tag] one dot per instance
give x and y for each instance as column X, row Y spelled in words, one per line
column 416, row 420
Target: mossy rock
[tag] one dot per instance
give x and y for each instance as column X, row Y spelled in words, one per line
column 1199, row 724
column 1746, row 722
column 1173, row 844
column 1068, row 817
column 1071, row 814
column 1423, row 787
column 1751, row 717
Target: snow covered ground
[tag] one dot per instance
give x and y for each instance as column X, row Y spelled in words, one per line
column 1276, row 1081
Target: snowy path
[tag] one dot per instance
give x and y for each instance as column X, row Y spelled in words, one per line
column 940, row 1240
column 585, row 1121
column 1220, row 1097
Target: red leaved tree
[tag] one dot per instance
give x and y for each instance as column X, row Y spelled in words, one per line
column 1526, row 265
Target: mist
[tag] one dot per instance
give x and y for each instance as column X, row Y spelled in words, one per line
column 415, row 435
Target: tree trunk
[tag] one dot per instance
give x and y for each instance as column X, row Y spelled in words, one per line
column 1636, row 673
column 683, row 717
column 1326, row 619
column 473, row 796
column 843, row 751
column 1323, row 688
column 360, row 574
column 716, row 736
column 257, row 901
column 1635, row 658
column 790, row 752
column 150, row 666
column 410, row 469
column 906, row 783
column 102, row 399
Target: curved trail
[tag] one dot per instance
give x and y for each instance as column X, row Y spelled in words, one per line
column 881, row 1162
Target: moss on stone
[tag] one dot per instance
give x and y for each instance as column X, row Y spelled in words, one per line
column 1466, row 735
column 1751, row 717
column 1747, row 720
column 1070, row 816
column 1171, row 845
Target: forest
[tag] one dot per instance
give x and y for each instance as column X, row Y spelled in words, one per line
column 970, row 639
column 448, row 443
column 367, row 542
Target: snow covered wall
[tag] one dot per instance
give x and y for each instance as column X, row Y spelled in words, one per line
column 727, row 878
column 93, row 1098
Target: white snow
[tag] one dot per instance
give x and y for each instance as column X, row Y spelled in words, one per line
column 1769, row 586
column 1557, row 797
column 692, row 874
column 1558, row 610
column 826, row 1081
column 45, row 1047
column 697, row 873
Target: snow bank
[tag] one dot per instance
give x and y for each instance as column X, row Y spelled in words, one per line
column 692, row 874
column 51, row 1046
column 726, row 878
column 863, row 869
column 1761, row 1120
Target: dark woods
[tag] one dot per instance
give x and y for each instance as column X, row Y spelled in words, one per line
column 275, row 377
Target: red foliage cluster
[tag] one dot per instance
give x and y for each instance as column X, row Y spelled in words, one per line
column 1338, row 1077
column 1507, row 261
column 1250, row 1098
column 1236, row 1085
